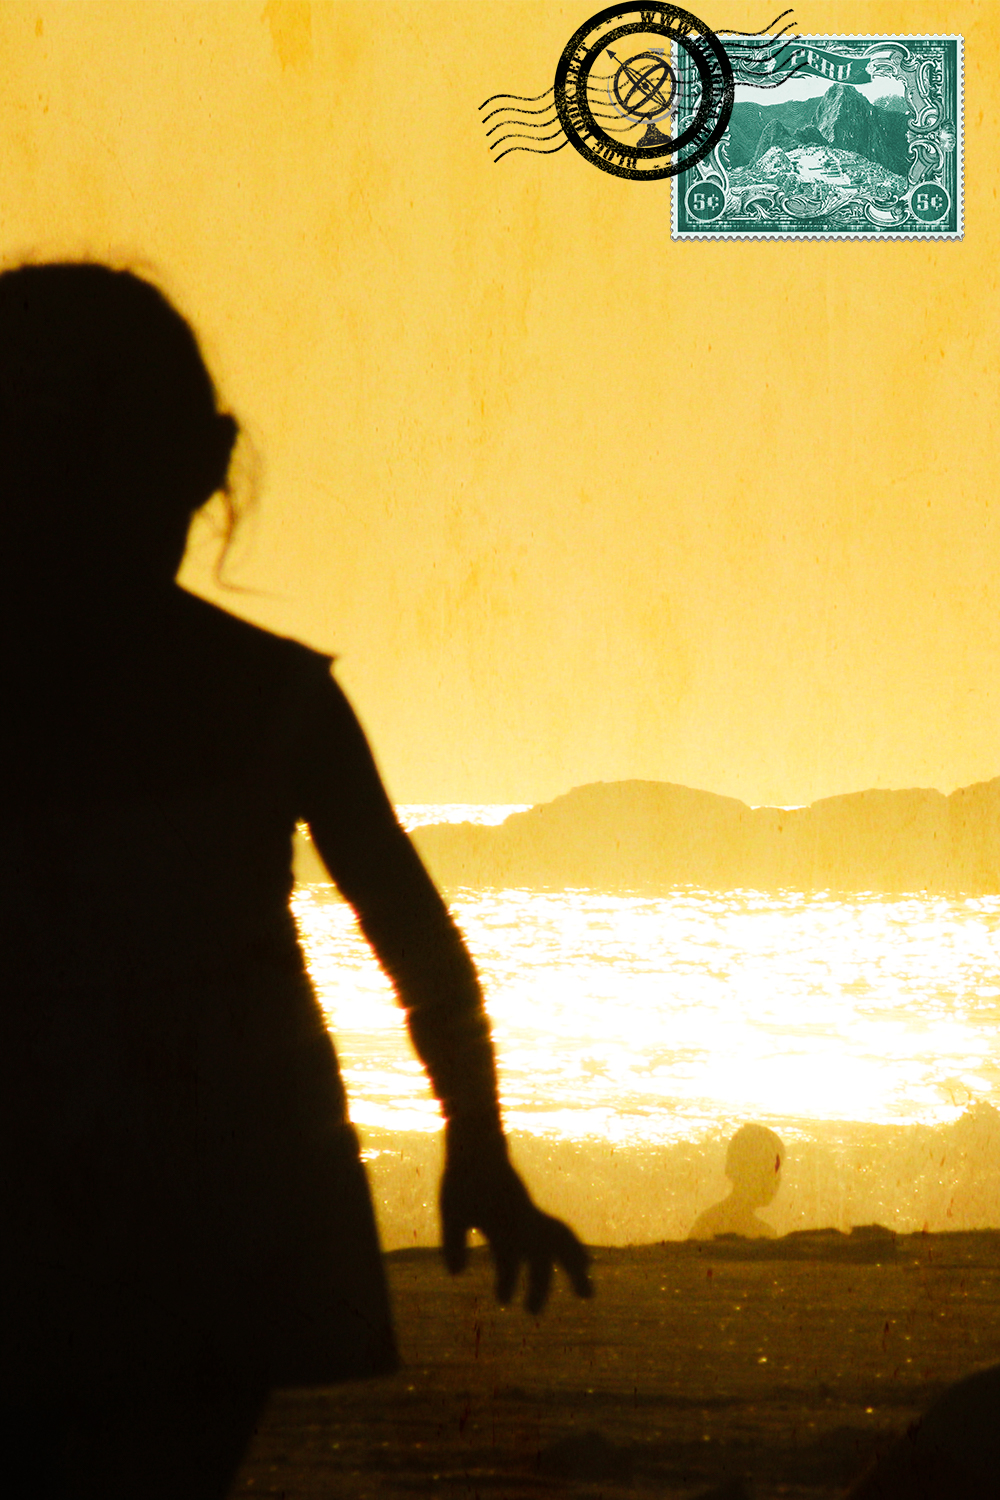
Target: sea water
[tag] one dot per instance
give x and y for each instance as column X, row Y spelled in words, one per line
column 633, row 1036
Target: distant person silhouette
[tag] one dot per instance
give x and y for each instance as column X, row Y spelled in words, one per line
column 184, row 1218
column 753, row 1166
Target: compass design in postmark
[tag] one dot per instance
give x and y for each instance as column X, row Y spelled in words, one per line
column 617, row 90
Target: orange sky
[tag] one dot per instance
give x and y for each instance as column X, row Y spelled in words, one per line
column 570, row 501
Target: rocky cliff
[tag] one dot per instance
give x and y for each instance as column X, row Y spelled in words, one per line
column 653, row 836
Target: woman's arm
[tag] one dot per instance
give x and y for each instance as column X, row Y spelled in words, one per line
column 402, row 915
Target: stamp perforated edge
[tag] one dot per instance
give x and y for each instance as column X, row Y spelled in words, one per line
column 856, row 234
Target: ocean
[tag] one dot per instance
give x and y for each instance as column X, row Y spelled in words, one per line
column 634, row 1035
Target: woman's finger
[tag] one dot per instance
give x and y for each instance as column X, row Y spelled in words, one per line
column 575, row 1261
column 508, row 1263
column 539, row 1281
column 453, row 1240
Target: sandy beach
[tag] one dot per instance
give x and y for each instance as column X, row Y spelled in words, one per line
column 773, row 1368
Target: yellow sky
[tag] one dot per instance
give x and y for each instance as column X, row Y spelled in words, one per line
column 571, row 502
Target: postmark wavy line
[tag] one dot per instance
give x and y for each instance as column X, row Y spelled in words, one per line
column 549, row 150
column 534, row 98
column 767, row 31
column 500, row 110
column 523, row 98
column 528, row 125
column 518, row 135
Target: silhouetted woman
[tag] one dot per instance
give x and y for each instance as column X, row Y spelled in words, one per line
column 185, row 1219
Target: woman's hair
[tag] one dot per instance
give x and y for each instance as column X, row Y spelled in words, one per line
column 109, row 420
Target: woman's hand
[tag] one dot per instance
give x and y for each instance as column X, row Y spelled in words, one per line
column 481, row 1190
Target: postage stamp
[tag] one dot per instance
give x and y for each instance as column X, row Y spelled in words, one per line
column 861, row 140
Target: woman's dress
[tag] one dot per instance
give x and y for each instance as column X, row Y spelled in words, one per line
column 180, row 1181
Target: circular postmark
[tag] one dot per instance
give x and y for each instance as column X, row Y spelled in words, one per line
column 644, row 91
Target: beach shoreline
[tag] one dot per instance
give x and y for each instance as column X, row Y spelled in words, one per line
column 786, row 1364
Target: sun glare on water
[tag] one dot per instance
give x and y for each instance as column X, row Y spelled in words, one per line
column 649, row 1020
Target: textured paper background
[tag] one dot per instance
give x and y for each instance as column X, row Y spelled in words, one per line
column 572, row 502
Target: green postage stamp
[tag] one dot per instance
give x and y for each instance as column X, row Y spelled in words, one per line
column 863, row 142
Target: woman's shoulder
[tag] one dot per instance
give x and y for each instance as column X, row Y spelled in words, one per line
column 209, row 628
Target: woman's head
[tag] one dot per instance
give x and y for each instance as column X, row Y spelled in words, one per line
column 110, row 433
